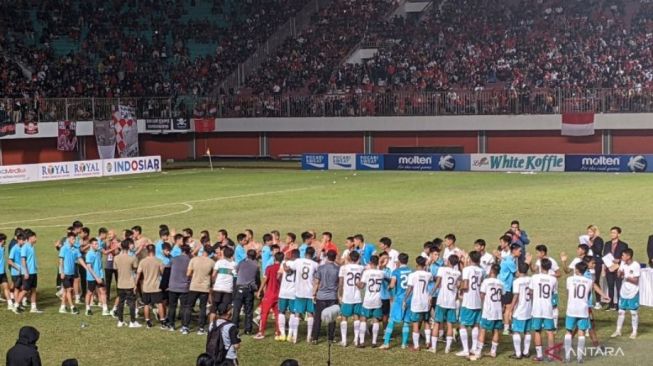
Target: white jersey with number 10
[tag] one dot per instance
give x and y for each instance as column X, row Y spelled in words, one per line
column 579, row 289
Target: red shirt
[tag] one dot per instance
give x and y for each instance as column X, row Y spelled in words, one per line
column 273, row 283
column 328, row 246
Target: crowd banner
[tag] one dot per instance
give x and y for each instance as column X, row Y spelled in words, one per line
column 67, row 136
column 315, row 161
column 31, row 127
column 181, row 124
column 517, row 162
column 105, row 137
column 204, row 124
column 78, row 169
column 7, row 126
column 369, row 162
column 608, row 163
column 125, row 166
column 342, row 162
column 159, row 124
column 124, row 123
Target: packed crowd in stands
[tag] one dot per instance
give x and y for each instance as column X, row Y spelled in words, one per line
column 457, row 57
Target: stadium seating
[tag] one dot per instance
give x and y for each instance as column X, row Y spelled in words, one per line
column 456, row 57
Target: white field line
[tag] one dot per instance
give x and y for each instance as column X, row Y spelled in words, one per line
column 188, row 208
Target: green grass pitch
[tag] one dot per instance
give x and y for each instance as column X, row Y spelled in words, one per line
column 409, row 207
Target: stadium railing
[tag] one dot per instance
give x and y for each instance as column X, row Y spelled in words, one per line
column 383, row 103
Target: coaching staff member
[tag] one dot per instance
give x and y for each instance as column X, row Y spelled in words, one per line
column 247, row 283
column 325, row 293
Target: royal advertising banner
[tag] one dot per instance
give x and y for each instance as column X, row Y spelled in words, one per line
column 609, row 163
column 342, row 162
column 517, row 162
column 315, row 161
column 78, row 169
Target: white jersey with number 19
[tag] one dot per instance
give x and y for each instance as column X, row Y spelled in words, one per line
column 544, row 287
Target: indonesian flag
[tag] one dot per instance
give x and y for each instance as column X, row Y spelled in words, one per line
column 578, row 124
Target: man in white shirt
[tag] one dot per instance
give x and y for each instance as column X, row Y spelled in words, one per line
column 579, row 291
column 470, row 312
column 629, row 271
column 487, row 259
column 450, row 247
column 371, row 282
column 492, row 315
column 522, row 303
column 350, row 296
column 543, row 286
column 393, row 256
column 447, row 281
column 287, row 297
column 304, row 269
column 224, row 271
column 349, row 247
column 418, row 301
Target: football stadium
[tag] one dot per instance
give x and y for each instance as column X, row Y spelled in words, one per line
column 326, row 182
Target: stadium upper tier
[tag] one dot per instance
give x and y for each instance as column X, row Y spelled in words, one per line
column 522, row 49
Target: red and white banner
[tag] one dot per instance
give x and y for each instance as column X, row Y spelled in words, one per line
column 204, row 124
column 124, row 122
column 578, row 124
column 31, row 128
column 67, row 136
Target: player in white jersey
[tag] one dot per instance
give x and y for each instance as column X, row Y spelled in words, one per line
column 350, row 296
column 522, row 305
column 542, row 252
column 629, row 271
column 371, row 281
column 504, row 248
column 544, row 287
column 487, row 259
column 447, row 281
column 304, row 269
column 470, row 312
column 349, row 247
column 418, row 299
column 287, row 297
column 450, row 247
column 393, row 255
column 579, row 292
column 492, row 315
column 581, row 252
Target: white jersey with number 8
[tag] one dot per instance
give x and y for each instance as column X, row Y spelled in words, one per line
column 350, row 274
column 304, row 271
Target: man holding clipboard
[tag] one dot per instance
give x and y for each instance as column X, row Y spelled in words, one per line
column 611, row 259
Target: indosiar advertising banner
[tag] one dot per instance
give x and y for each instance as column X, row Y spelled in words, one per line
column 369, row 162
column 518, row 162
column 342, row 162
column 608, row 163
column 315, row 161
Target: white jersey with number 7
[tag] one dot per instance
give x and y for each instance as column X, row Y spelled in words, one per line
column 420, row 297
